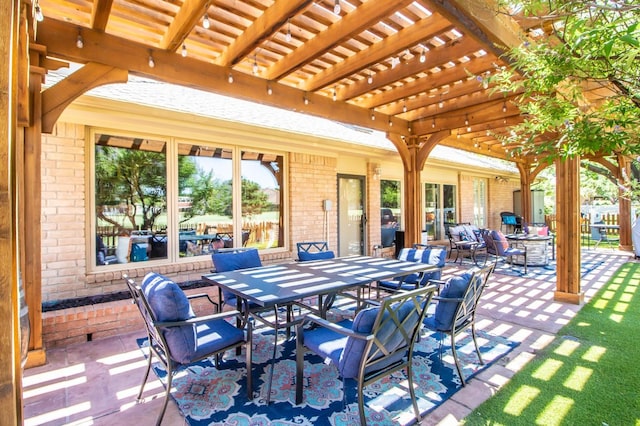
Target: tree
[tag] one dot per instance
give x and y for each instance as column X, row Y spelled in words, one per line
column 134, row 178
column 581, row 83
column 254, row 200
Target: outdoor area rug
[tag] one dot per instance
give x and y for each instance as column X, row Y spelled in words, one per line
column 590, row 260
column 206, row 396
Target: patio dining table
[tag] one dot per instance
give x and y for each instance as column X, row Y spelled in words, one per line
column 280, row 285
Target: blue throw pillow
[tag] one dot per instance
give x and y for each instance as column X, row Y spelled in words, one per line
column 305, row 256
column 166, row 299
column 169, row 303
column 351, row 357
column 445, row 311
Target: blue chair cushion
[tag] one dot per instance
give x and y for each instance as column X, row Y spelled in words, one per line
column 445, row 311
column 433, row 256
column 305, row 256
column 232, row 261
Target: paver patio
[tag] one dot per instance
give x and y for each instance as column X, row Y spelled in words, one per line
column 97, row 382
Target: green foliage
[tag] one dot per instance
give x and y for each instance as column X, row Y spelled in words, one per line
column 134, row 178
column 254, row 200
column 390, row 194
column 580, row 90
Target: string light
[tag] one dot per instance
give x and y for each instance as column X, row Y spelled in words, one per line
column 423, row 56
column 305, row 99
column 230, row 78
column 404, row 107
column 466, row 122
column 336, row 7
column 205, row 22
column 37, row 11
column 441, row 103
column 255, row 64
column 335, row 94
column 390, row 122
column 370, row 78
column 433, row 124
column 151, row 62
column 373, row 115
column 504, row 106
column 458, row 135
column 269, row 89
column 184, row 50
column 79, row 40
column 288, row 36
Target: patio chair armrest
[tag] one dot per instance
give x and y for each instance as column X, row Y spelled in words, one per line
column 448, row 299
column 205, row 296
column 331, row 326
column 198, row 320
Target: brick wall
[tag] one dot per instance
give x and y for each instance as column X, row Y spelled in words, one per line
column 313, row 179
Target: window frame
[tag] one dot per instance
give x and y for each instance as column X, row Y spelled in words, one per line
column 171, row 153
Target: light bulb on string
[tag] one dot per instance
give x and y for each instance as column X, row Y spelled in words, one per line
column 288, row 36
column 79, row 41
column 336, row 7
column 504, row 107
column 37, row 12
column 184, row 50
column 370, row 78
column 206, row 24
column 423, row 56
column 404, row 107
column 335, row 95
column 230, row 78
column 151, row 62
column 255, row 64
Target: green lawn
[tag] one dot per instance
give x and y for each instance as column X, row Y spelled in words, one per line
column 589, row 375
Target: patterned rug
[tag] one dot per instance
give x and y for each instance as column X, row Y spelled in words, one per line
column 206, row 396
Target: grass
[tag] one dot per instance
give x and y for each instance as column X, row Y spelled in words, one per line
column 589, row 375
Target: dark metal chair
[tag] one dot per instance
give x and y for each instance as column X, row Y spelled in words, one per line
column 314, row 250
column 177, row 338
column 498, row 246
column 431, row 255
column 456, row 309
column 379, row 341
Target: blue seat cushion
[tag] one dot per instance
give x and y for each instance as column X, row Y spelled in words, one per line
column 445, row 311
column 305, row 256
column 347, row 353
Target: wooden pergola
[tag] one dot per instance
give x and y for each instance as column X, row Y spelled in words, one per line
column 415, row 69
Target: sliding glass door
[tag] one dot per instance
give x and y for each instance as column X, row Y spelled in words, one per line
column 440, row 204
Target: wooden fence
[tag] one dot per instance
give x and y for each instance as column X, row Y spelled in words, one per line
column 585, row 223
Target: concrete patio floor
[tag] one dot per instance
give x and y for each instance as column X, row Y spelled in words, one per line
column 96, row 383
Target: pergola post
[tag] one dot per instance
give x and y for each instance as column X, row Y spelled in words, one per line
column 624, row 204
column 568, row 231
column 525, row 191
column 10, row 374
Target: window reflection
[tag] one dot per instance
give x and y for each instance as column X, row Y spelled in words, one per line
column 262, row 200
column 205, row 199
column 130, row 198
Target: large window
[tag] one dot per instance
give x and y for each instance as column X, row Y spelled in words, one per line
column 262, row 200
column 480, row 202
column 130, row 197
column 219, row 197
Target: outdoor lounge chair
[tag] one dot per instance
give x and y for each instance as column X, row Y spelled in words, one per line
column 378, row 342
column 498, row 246
column 177, row 337
column 456, row 309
